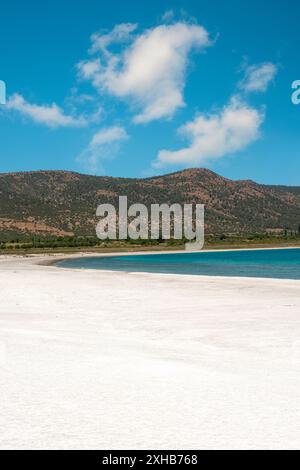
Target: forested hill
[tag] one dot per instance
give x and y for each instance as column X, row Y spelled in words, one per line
column 61, row 203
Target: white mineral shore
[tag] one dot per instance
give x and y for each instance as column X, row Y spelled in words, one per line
column 111, row 360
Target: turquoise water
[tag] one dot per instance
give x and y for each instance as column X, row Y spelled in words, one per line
column 279, row 263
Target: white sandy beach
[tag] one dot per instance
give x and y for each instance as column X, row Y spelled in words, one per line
column 103, row 360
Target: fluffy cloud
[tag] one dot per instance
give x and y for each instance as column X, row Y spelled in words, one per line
column 48, row 115
column 257, row 77
column 108, row 135
column 214, row 136
column 150, row 71
column 104, row 144
column 119, row 34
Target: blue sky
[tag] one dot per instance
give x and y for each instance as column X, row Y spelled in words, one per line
column 130, row 88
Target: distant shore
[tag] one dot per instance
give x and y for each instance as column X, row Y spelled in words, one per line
column 147, row 248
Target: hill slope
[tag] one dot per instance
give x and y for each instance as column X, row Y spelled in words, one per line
column 54, row 203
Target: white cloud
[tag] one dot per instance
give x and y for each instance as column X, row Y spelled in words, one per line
column 214, row 136
column 104, row 144
column 150, row 72
column 48, row 115
column 89, row 69
column 108, row 135
column 119, row 34
column 258, row 77
column 168, row 16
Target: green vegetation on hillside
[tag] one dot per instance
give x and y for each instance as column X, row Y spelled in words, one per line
column 74, row 244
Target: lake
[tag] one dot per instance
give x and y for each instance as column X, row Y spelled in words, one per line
column 266, row 263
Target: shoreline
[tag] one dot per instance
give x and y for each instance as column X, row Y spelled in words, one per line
column 53, row 262
column 47, row 260
column 143, row 249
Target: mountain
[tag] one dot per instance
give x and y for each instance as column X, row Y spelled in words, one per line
column 62, row 203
